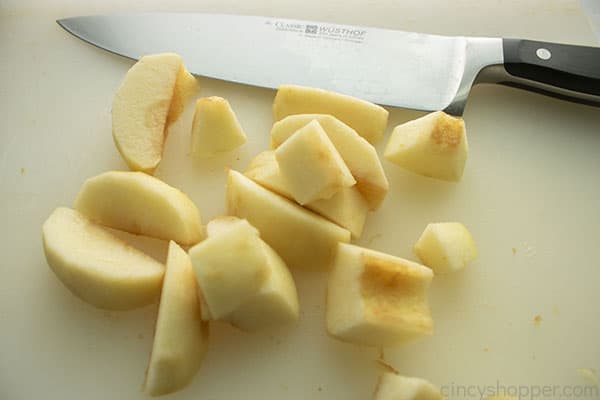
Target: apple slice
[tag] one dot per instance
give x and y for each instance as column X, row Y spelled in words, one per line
column 358, row 154
column 347, row 208
column 392, row 386
column 153, row 92
column 368, row 119
column 376, row 299
column 215, row 128
column 140, row 204
column 311, row 166
column 180, row 337
column 96, row 266
column 434, row 145
column 446, row 247
column 231, row 267
column 276, row 302
column 303, row 239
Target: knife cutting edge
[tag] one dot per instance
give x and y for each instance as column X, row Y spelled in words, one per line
column 389, row 67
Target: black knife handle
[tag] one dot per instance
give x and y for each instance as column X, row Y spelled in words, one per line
column 560, row 70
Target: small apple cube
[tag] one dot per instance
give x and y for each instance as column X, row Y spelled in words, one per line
column 375, row 299
column 434, row 145
column 215, row 128
column 359, row 155
column 446, row 247
column 276, row 302
column 180, row 335
column 368, row 119
column 231, row 267
column 393, row 386
column 311, row 166
column 347, row 208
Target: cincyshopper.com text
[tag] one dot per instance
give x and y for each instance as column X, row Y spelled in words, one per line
column 522, row 392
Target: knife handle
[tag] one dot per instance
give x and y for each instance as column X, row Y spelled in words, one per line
column 560, row 70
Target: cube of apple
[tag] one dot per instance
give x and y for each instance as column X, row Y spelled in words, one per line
column 358, row 154
column 276, row 302
column 180, row 336
column 446, row 247
column 215, row 129
column 434, row 145
column 152, row 94
column 392, row 386
column 141, row 204
column 347, row 208
column 231, row 267
column 368, row 119
column 311, row 166
column 376, row 299
column 302, row 238
column 96, row 266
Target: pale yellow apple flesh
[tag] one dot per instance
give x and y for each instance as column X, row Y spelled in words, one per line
column 358, row 154
column 152, row 93
column 434, row 145
column 96, row 266
column 141, row 204
column 302, row 238
column 392, row 386
column 368, row 119
column 180, row 336
column 231, row 266
column 347, row 208
column 376, row 299
column 276, row 302
column 215, row 128
column 311, row 166
column 446, row 247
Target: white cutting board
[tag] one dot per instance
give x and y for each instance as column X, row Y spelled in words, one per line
column 532, row 184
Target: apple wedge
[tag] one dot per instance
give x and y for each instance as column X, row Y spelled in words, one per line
column 180, row 336
column 446, row 247
column 215, row 129
column 434, row 145
column 231, row 266
column 302, row 238
column 368, row 119
column 376, row 299
column 141, row 204
column 153, row 93
column 358, row 154
column 96, row 266
column 276, row 302
column 392, row 386
column 311, row 166
column 347, row 208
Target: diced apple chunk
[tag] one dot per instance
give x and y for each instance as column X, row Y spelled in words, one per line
column 153, row 93
column 311, row 166
column 231, row 267
column 276, row 302
column 368, row 119
column 446, row 247
column 215, row 129
column 376, row 299
column 347, row 208
column 393, row 386
column 434, row 145
column 358, row 154
column 180, row 336
column 302, row 238
column 141, row 204
column 96, row 266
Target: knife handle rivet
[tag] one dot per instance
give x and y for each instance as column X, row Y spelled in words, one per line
column 543, row 54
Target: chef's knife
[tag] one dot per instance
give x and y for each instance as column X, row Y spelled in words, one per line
column 396, row 68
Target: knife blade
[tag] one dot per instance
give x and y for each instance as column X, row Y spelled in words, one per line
column 396, row 68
